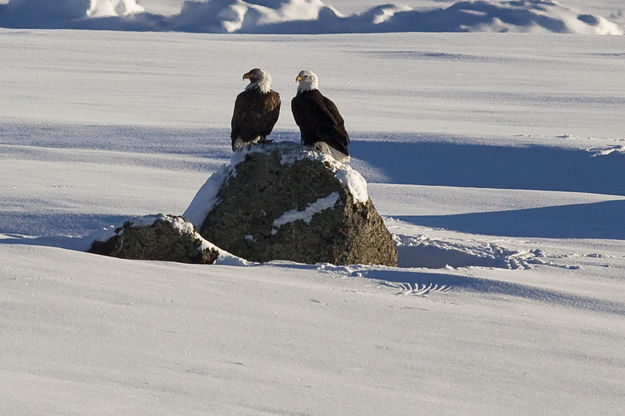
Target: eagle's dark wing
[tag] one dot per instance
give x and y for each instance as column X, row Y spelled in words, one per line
column 272, row 111
column 319, row 120
column 254, row 115
column 239, row 115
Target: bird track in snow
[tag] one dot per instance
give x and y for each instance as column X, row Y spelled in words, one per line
column 416, row 289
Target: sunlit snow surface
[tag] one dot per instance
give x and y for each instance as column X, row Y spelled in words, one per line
column 495, row 160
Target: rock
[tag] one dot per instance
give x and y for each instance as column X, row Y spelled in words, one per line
column 284, row 201
column 160, row 237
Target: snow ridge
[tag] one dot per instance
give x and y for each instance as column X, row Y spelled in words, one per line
column 306, row 16
column 45, row 13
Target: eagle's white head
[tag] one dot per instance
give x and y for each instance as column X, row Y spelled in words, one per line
column 259, row 78
column 308, row 80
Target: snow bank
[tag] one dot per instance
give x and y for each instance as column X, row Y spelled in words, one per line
column 244, row 16
column 45, row 13
column 308, row 16
column 99, row 8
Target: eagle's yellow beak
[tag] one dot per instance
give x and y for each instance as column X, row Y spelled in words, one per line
column 298, row 78
column 246, row 76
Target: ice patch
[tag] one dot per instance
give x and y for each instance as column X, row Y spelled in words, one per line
column 311, row 209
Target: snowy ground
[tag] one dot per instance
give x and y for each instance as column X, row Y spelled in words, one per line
column 496, row 160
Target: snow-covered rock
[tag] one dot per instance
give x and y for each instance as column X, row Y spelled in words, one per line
column 161, row 237
column 284, row 201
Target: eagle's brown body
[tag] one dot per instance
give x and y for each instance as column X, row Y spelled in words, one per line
column 256, row 110
column 255, row 114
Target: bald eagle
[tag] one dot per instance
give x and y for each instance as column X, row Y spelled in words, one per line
column 319, row 121
column 256, row 110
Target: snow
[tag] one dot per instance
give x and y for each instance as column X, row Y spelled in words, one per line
column 309, row 16
column 356, row 184
column 176, row 222
column 493, row 158
column 44, row 12
column 206, row 197
column 311, row 209
column 611, row 8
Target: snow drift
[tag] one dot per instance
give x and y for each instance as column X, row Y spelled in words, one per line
column 465, row 16
column 62, row 12
column 245, row 16
column 307, row 16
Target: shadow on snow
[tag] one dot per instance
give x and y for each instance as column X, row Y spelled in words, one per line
column 56, row 230
column 487, row 166
column 600, row 220
column 410, row 282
